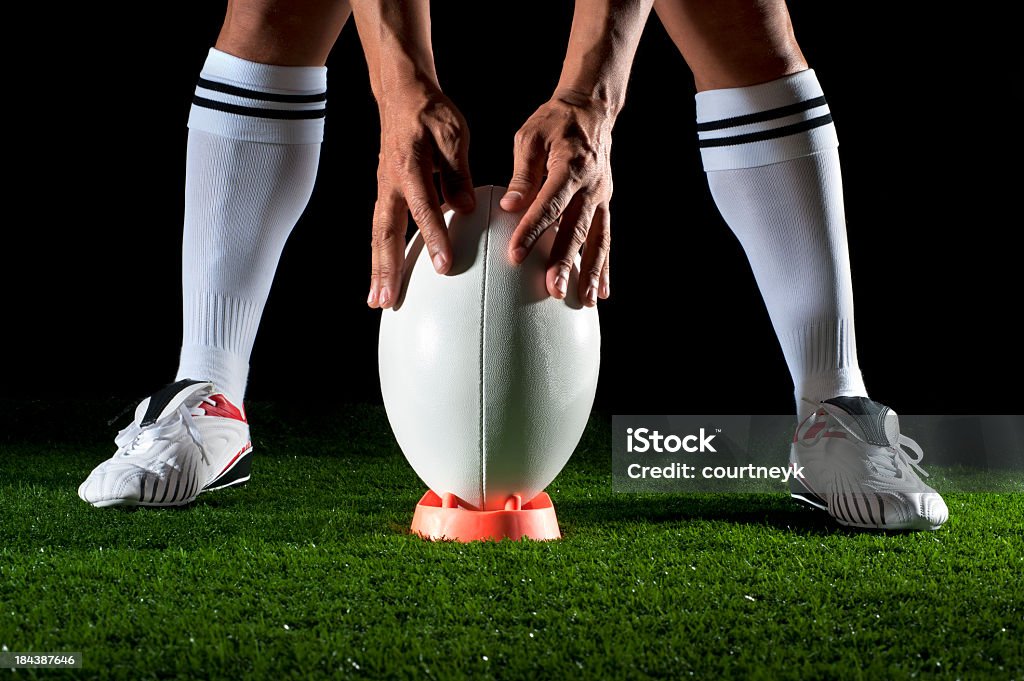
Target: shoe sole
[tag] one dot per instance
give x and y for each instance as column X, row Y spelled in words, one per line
column 237, row 471
column 806, row 496
column 235, row 474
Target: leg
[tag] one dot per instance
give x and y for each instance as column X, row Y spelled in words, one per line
column 254, row 144
column 732, row 43
column 283, row 32
column 253, row 150
column 769, row 149
column 770, row 152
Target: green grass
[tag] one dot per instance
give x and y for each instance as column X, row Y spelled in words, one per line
column 309, row 571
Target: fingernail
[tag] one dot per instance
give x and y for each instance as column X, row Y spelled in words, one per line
column 606, row 289
column 519, row 254
column 385, row 296
column 562, row 282
column 465, row 200
column 440, row 261
column 591, row 295
column 371, row 299
column 511, row 196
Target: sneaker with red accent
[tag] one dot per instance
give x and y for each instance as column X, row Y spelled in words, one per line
column 186, row 439
column 857, row 466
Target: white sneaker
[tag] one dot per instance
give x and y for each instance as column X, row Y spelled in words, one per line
column 186, row 439
column 856, row 468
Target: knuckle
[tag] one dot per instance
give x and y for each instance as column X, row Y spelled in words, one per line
column 432, row 240
column 448, row 134
column 552, row 209
column 579, row 233
column 581, row 164
column 383, row 238
column 523, row 176
column 524, row 137
column 589, row 193
column 567, row 260
column 534, row 232
column 420, row 208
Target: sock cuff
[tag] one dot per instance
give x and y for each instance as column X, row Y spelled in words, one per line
column 255, row 102
column 758, row 125
column 227, row 68
column 846, row 382
column 227, row 371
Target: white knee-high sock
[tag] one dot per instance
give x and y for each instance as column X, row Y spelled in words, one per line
column 253, row 149
column 770, row 153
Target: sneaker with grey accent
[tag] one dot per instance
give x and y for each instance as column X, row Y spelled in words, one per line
column 186, row 439
column 859, row 468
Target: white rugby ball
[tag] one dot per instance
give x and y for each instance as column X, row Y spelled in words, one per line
column 488, row 382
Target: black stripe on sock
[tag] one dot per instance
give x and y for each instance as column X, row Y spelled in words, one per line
column 256, row 94
column 802, row 126
column 259, row 113
column 760, row 116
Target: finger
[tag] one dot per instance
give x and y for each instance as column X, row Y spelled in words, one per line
column 572, row 233
column 595, row 255
column 390, row 218
column 551, row 202
column 527, row 171
column 456, row 180
column 421, row 197
column 605, row 291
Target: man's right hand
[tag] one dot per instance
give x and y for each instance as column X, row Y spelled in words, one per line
column 422, row 132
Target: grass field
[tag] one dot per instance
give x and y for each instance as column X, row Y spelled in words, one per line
column 309, row 572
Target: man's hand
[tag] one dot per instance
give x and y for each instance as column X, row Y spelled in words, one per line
column 569, row 141
column 562, row 177
column 421, row 133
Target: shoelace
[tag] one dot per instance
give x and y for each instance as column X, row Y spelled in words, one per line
column 895, row 460
column 135, row 438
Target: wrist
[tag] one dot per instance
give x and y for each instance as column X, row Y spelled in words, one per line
column 396, row 41
column 401, row 77
column 408, row 94
column 597, row 101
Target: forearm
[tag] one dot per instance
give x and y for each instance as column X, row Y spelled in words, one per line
column 603, row 41
column 396, row 41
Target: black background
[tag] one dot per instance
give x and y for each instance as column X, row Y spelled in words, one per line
column 925, row 104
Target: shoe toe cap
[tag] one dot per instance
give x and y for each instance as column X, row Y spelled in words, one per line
column 920, row 511
column 112, row 486
column 932, row 510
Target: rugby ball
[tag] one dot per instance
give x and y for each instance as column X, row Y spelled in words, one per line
column 488, row 382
